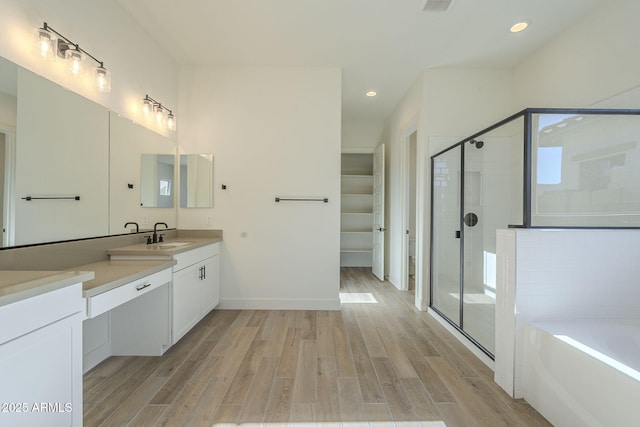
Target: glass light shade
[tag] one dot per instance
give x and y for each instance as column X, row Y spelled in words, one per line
column 75, row 61
column 147, row 106
column 159, row 114
column 103, row 79
column 171, row 121
column 44, row 44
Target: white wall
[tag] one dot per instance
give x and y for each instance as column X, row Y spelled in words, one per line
column 405, row 119
column 591, row 61
column 444, row 105
column 361, row 136
column 272, row 132
column 137, row 63
column 8, row 112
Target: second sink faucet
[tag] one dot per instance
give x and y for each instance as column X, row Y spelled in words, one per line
column 133, row 223
column 155, row 231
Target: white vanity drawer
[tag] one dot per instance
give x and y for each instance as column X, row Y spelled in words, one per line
column 185, row 259
column 106, row 301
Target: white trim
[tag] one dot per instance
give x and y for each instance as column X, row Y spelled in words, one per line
column 278, row 304
column 8, row 214
column 464, row 340
column 358, row 150
column 423, row 222
column 405, row 198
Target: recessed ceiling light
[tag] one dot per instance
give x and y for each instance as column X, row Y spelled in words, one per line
column 371, row 93
column 519, row 26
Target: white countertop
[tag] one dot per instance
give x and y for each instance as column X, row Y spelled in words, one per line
column 165, row 249
column 18, row 285
column 111, row 274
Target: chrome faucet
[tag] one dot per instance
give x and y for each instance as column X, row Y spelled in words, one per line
column 155, row 231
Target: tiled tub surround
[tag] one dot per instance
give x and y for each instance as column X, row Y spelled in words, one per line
column 583, row 371
column 555, row 275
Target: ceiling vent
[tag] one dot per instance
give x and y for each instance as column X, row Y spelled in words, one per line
column 435, row 5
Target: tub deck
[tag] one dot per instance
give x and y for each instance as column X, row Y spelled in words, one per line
column 584, row 372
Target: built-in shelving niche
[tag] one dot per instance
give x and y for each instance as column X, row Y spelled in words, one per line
column 356, row 220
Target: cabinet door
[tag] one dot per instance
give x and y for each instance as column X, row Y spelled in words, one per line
column 186, row 301
column 210, row 285
column 41, row 376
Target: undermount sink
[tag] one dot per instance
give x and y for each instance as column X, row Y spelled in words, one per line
column 169, row 245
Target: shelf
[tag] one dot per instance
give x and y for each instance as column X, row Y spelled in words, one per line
column 356, row 184
column 356, row 220
column 356, row 259
column 357, row 163
column 357, row 203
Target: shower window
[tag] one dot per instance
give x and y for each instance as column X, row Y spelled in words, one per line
column 587, row 170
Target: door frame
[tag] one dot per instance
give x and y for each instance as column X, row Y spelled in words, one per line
column 8, row 192
column 422, row 182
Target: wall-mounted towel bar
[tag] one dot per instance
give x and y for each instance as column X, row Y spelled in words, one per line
column 30, row 198
column 281, row 199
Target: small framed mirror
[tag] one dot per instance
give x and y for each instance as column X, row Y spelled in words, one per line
column 196, row 180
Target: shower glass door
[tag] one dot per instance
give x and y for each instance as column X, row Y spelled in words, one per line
column 478, row 231
column 477, row 189
column 445, row 284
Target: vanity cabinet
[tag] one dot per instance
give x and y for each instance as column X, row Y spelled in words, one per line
column 41, row 360
column 196, row 287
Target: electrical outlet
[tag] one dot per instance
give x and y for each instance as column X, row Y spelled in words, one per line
column 209, row 220
column 145, row 219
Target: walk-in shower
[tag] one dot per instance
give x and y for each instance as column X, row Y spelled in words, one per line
column 540, row 168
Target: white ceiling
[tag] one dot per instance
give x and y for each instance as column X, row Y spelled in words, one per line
column 379, row 44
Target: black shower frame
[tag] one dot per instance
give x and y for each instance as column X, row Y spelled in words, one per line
column 526, row 220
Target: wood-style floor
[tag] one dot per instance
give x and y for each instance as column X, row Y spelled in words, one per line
column 382, row 364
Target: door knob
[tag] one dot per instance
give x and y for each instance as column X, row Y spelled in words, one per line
column 381, row 229
column 470, row 219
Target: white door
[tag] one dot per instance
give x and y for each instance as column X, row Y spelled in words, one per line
column 378, row 212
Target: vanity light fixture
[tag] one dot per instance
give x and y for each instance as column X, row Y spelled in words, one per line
column 161, row 113
column 49, row 44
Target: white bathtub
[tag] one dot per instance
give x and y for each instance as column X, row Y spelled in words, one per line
column 584, row 372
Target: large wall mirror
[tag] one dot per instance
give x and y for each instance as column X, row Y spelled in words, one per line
column 157, row 176
column 8, row 118
column 69, row 168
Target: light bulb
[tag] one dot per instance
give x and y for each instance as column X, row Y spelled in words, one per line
column 75, row 58
column 103, row 79
column 147, row 106
column 171, row 121
column 44, row 44
column 159, row 114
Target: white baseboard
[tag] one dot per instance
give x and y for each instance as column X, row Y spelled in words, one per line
column 464, row 340
column 278, row 304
